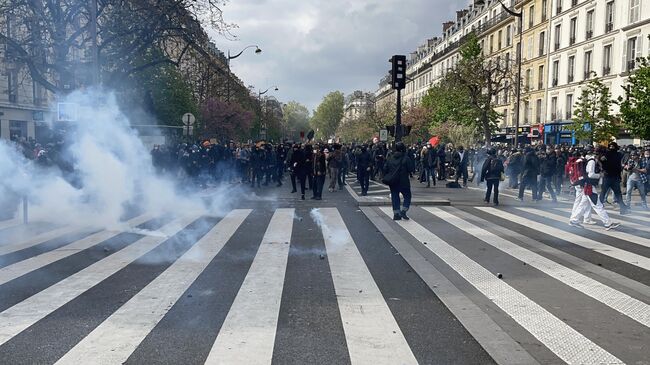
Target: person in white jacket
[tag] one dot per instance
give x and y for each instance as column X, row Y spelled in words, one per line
column 585, row 202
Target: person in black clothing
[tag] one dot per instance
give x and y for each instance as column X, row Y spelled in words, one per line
column 515, row 163
column 363, row 160
column 558, row 177
column 320, row 171
column 280, row 157
column 529, row 173
column 461, row 161
column 400, row 165
column 491, row 173
column 442, row 160
column 292, row 169
column 612, row 168
column 300, row 165
column 548, row 168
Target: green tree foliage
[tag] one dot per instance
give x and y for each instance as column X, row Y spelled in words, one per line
column 592, row 119
column 475, row 82
column 446, row 102
column 635, row 107
column 295, row 119
column 328, row 115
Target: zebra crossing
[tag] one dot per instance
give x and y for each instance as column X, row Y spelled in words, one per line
column 557, row 311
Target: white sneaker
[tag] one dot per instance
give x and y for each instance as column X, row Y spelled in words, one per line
column 575, row 224
column 590, row 221
column 612, row 226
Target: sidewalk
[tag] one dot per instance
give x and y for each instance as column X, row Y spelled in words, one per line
column 379, row 194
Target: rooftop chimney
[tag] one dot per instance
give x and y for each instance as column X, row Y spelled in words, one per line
column 447, row 25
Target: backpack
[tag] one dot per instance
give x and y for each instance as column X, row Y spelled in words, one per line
column 393, row 177
column 577, row 172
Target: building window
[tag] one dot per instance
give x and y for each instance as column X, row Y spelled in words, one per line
column 569, row 106
column 526, row 112
column 491, row 43
column 538, row 111
column 540, row 78
column 635, row 10
column 558, row 7
column 506, row 92
column 573, row 28
column 607, row 60
column 590, row 25
column 554, row 108
column 507, row 61
column 558, row 32
column 531, row 16
column 571, row 67
column 630, row 55
column 556, row 72
column 542, row 43
column 500, row 36
column 544, row 13
column 12, row 86
column 508, row 36
column 529, row 78
column 505, row 116
column 609, row 17
column 587, row 65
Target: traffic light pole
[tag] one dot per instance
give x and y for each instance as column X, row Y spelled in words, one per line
column 398, row 117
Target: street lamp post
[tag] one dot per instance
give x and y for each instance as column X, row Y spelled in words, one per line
column 262, row 121
column 257, row 51
column 520, row 16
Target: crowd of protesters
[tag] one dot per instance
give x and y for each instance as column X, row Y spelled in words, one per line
column 546, row 170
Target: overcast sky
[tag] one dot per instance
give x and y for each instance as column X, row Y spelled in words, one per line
column 312, row 47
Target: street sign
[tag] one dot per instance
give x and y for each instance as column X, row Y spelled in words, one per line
column 188, row 119
column 383, row 135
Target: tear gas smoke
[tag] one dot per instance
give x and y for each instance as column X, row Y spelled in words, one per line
column 337, row 236
column 111, row 172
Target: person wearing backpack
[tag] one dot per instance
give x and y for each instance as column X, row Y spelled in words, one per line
column 584, row 177
column 396, row 171
column 491, row 173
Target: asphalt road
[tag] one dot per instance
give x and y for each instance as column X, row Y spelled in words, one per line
column 284, row 281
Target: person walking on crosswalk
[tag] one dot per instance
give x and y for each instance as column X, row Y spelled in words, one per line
column 491, row 173
column 584, row 176
column 396, row 173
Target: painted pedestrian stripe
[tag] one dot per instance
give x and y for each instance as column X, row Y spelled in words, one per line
column 24, row 314
column 642, row 241
column 612, row 214
column 13, row 222
column 247, row 335
column 564, row 341
column 607, row 250
column 623, row 303
column 113, row 341
column 38, row 239
column 372, row 333
column 21, row 268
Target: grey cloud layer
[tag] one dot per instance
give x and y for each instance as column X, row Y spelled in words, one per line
column 312, row 47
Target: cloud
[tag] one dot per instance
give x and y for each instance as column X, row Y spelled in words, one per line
column 312, row 47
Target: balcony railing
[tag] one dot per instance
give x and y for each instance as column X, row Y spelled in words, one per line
column 590, row 33
column 558, row 10
column 606, row 71
column 574, row 2
column 554, row 82
column 609, row 27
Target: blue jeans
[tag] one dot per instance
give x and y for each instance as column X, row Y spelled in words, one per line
column 631, row 184
column 395, row 190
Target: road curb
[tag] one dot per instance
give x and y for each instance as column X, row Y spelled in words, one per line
column 380, row 201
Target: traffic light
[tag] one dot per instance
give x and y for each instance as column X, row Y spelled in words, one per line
column 398, row 72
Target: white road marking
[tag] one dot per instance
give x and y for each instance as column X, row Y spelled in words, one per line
column 10, row 223
column 247, row 335
column 31, row 310
column 567, row 343
column 21, row 268
column 642, row 241
column 633, row 308
column 113, row 341
column 612, row 214
column 372, row 333
column 607, row 250
column 38, row 239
